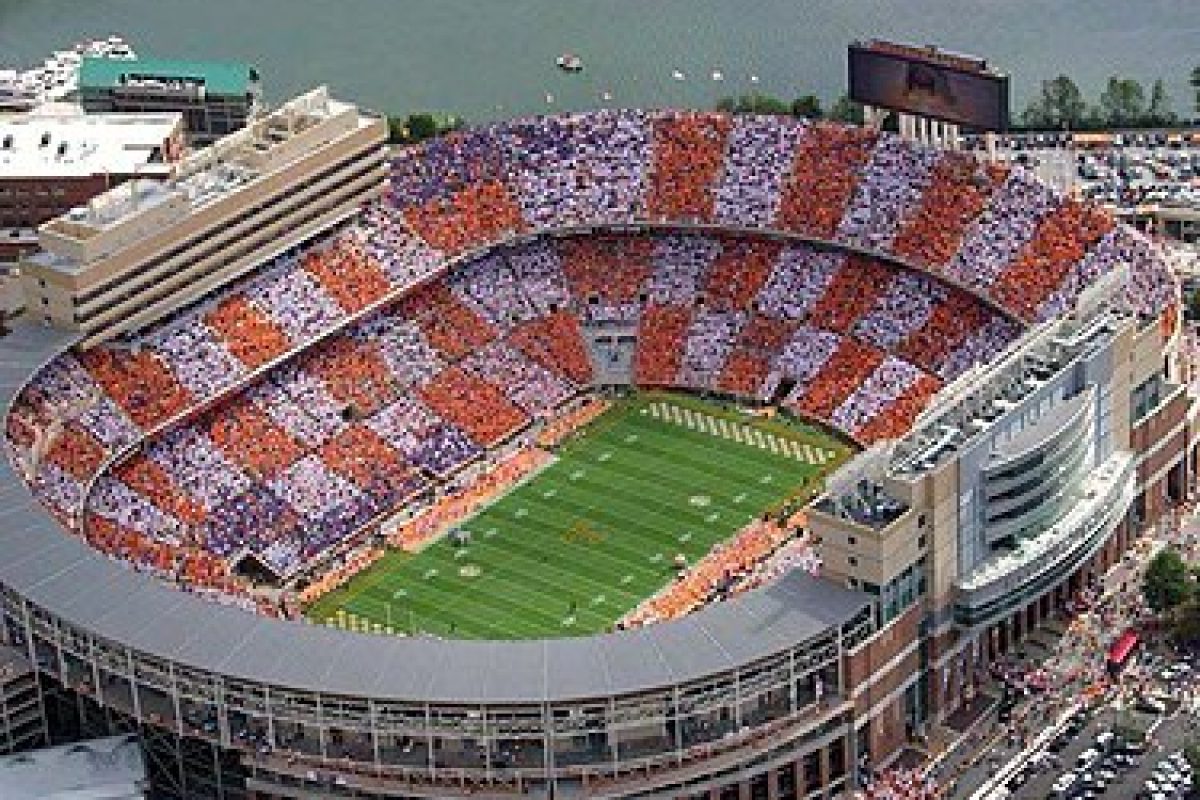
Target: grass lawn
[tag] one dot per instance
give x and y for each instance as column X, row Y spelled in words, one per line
column 581, row 543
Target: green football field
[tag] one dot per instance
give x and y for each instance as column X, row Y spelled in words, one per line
column 579, row 544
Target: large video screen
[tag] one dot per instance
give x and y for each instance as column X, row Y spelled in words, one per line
column 931, row 87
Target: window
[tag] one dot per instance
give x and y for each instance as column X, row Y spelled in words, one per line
column 851, row 541
column 920, row 520
column 853, row 561
column 921, row 542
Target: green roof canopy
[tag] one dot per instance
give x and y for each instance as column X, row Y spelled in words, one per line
column 218, row 77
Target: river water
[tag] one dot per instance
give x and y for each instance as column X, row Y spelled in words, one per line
column 494, row 58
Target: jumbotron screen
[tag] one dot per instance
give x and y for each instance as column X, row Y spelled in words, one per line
column 930, row 83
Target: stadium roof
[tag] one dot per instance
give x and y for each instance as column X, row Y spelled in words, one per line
column 217, row 77
column 61, row 573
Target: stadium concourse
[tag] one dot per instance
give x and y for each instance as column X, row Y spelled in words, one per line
column 838, row 273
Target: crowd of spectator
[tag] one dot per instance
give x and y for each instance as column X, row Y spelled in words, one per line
column 824, row 174
column 1062, row 240
column 459, row 503
column 1005, row 226
column 689, row 152
column 901, row 784
column 713, row 577
column 888, row 193
column 958, row 191
column 370, row 373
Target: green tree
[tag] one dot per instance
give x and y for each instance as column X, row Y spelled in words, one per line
column 397, row 132
column 1060, row 105
column 1167, row 583
column 753, row 104
column 807, row 106
column 763, row 104
column 1160, row 112
column 422, row 126
column 1123, row 102
column 846, row 110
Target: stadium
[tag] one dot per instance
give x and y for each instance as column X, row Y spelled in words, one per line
column 438, row 425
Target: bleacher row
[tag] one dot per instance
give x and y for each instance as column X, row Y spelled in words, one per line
column 997, row 230
column 339, row 432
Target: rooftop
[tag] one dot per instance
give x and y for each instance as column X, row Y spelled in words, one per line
column 217, row 77
column 51, row 145
column 972, row 404
column 205, row 176
column 864, row 502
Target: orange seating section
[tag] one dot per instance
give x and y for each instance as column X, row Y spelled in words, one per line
column 824, row 174
column 252, row 439
column 689, row 152
column 850, row 365
column 474, row 405
column 1062, row 239
column 555, row 342
column 614, row 268
column 140, row 383
column 477, row 214
column 661, row 336
column 738, row 274
column 949, row 324
column 355, row 374
column 345, row 272
column 958, row 192
column 251, row 336
column 853, row 292
column 449, row 325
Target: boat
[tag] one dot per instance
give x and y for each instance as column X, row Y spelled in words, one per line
column 569, row 62
column 677, row 75
column 57, row 78
column 717, row 75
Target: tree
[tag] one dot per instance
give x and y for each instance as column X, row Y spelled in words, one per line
column 397, row 132
column 1123, row 102
column 807, row 106
column 1160, row 112
column 422, row 127
column 1060, row 105
column 846, row 110
column 1167, row 583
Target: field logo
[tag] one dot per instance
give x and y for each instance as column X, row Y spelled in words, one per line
column 583, row 533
